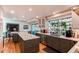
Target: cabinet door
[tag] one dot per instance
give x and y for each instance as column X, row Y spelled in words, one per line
column 15, row 37
column 49, row 41
column 40, row 35
column 43, row 39
column 31, row 45
column 64, row 45
column 53, row 42
column 72, row 43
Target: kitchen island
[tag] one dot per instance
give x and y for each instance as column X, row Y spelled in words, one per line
column 28, row 43
column 60, row 43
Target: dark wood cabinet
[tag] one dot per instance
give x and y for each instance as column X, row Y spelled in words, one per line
column 15, row 37
column 60, row 44
column 42, row 38
column 31, row 46
column 28, row 45
column 64, row 45
column 53, row 42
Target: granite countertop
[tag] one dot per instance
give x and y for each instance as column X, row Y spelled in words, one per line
column 71, row 38
column 73, row 49
column 26, row 36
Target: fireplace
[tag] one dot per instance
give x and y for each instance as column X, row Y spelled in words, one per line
column 12, row 27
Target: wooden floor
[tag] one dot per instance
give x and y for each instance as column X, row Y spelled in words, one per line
column 10, row 47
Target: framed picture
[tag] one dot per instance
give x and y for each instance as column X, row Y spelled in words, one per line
column 25, row 27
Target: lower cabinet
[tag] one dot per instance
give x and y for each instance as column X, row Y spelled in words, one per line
column 52, row 42
column 15, row 37
column 37, row 34
column 29, row 46
column 64, row 45
column 60, row 44
column 42, row 38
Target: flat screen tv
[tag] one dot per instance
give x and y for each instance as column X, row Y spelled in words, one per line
column 25, row 27
column 12, row 27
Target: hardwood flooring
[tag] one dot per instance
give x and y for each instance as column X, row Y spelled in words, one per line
column 11, row 47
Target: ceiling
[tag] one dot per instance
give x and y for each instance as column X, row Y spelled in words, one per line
column 21, row 12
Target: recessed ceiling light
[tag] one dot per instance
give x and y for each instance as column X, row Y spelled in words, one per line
column 12, row 11
column 57, row 15
column 23, row 16
column 30, row 9
column 74, row 8
column 36, row 16
column 53, row 12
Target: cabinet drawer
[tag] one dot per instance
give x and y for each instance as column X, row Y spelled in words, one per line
column 31, row 49
column 31, row 43
column 52, row 42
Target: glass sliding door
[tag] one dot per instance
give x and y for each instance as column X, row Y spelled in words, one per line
column 34, row 28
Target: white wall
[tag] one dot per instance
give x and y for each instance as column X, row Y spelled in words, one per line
column 21, row 23
column 75, row 20
column 1, row 29
column 75, row 23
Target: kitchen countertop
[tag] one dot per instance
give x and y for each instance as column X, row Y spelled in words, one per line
column 25, row 36
column 73, row 49
column 71, row 38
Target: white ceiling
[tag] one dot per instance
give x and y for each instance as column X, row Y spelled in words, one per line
column 37, row 10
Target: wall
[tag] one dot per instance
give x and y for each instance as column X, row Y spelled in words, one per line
column 75, row 24
column 21, row 23
column 1, row 29
column 75, row 20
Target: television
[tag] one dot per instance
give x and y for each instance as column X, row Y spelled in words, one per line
column 25, row 27
column 12, row 27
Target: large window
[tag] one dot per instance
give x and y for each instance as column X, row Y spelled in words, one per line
column 58, row 26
